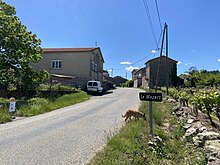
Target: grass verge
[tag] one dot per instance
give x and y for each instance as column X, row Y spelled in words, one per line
column 36, row 106
column 130, row 145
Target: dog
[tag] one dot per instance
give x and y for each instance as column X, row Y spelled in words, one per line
column 133, row 113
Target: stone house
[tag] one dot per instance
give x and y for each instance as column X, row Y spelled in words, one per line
column 139, row 77
column 75, row 65
column 160, row 71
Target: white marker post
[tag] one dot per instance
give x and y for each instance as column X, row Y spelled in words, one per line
column 144, row 96
column 12, row 105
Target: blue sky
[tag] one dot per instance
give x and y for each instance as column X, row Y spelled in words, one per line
column 122, row 30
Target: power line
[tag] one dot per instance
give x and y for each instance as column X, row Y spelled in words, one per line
column 136, row 61
column 149, row 19
column 158, row 14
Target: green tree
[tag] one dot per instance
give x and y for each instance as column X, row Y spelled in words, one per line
column 18, row 48
column 129, row 83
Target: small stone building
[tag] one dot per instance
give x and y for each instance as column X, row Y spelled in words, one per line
column 161, row 72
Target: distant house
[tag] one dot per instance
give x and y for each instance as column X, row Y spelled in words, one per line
column 160, row 71
column 139, row 77
column 73, row 65
column 115, row 81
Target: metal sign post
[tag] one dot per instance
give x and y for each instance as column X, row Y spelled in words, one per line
column 146, row 96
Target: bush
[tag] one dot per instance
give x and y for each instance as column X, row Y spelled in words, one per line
column 129, row 83
column 56, row 87
column 4, row 116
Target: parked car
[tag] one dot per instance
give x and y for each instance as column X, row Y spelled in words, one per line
column 94, row 86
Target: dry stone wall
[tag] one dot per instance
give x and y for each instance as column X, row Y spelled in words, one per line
column 201, row 132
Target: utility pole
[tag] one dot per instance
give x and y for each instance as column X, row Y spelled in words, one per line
column 161, row 53
column 167, row 85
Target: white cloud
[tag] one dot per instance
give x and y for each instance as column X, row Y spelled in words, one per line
column 194, row 50
column 153, row 51
column 219, row 60
column 179, row 62
column 125, row 63
column 186, row 63
column 131, row 68
column 110, row 70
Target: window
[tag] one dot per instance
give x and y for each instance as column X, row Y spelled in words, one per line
column 56, row 64
column 96, row 68
column 95, row 84
column 93, row 66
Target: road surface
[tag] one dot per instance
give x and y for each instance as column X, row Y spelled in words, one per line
column 71, row 135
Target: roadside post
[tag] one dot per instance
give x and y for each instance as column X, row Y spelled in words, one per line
column 12, row 105
column 150, row 96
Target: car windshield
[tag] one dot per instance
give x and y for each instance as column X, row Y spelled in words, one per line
column 95, row 84
column 90, row 84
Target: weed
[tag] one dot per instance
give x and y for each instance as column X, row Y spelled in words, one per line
column 4, row 116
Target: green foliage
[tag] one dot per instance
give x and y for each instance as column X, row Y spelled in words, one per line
column 158, row 115
column 4, row 116
column 129, row 83
column 202, row 78
column 56, row 87
column 205, row 100
column 18, row 49
column 37, row 106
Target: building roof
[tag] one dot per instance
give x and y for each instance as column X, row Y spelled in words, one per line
column 161, row 57
column 54, row 50
column 68, row 49
column 135, row 70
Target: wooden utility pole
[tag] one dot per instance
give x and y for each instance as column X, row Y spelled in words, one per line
column 167, row 83
column 165, row 31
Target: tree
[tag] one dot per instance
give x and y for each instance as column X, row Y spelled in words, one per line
column 201, row 78
column 192, row 76
column 18, row 48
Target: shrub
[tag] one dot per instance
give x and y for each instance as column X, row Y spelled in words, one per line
column 129, row 83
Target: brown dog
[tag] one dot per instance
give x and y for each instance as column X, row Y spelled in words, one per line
column 132, row 113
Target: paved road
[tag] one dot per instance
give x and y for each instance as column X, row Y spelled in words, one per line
column 70, row 135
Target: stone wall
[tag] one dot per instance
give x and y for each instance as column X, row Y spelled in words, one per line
column 199, row 129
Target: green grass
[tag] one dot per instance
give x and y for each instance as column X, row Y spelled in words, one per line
column 4, row 116
column 130, row 145
column 36, row 106
column 41, row 105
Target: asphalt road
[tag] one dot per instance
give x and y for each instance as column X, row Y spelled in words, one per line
column 71, row 135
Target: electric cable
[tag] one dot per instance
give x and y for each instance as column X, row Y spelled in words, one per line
column 158, row 14
column 149, row 19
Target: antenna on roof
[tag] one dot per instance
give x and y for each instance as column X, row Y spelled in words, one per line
column 96, row 44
